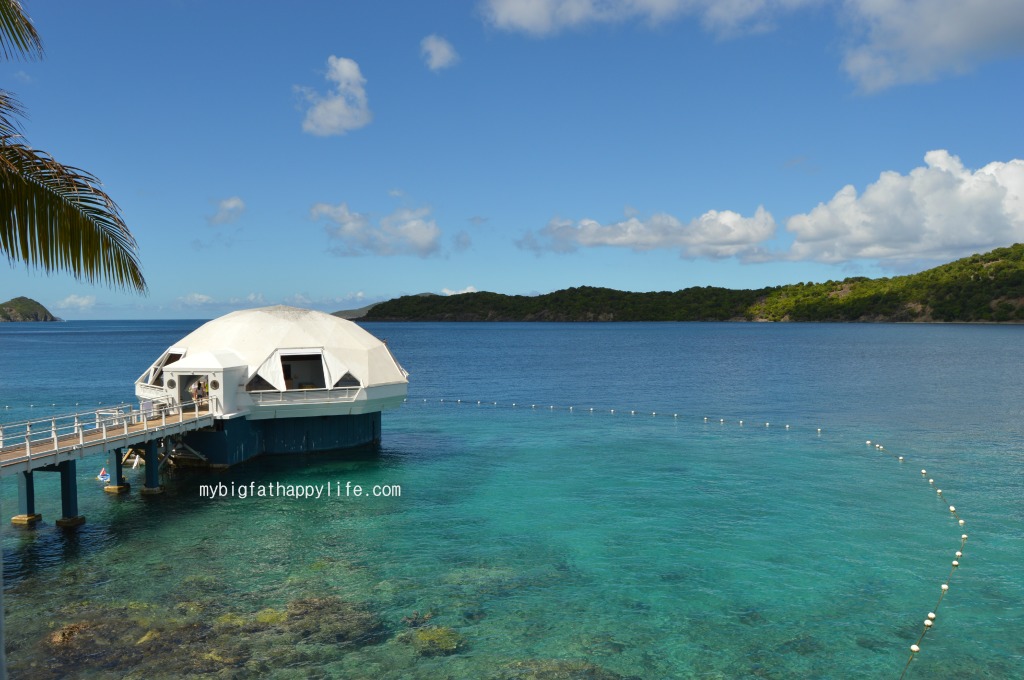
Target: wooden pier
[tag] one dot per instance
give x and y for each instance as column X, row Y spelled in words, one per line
column 55, row 444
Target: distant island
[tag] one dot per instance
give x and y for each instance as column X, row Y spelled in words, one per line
column 24, row 309
column 980, row 288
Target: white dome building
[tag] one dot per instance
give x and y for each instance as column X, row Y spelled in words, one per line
column 278, row 380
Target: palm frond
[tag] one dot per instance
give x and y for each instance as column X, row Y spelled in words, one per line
column 57, row 218
column 18, row 36
column 10, row 112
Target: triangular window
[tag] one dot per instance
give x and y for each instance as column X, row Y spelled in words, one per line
column 347, row 380
column 158, row 373
column 258, row 384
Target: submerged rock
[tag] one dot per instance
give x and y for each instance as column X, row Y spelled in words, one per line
column 144, row 640
column 333, row 620
column 435, row 640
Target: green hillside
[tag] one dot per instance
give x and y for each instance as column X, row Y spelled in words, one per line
column 986, row 288
column 24, row 309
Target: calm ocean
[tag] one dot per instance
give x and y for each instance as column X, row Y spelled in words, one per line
column 537, row 542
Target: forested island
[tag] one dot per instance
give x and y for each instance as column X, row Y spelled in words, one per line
column 24, row 309
column 979, row 288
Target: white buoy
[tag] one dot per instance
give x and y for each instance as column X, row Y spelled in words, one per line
column 819, row 430
column 915, row 649
column 705, row 417
column 952, row 508
column 963, row 537
column 959, row 554
column 927, row 623
column 931, row 481
column 938, row 491
column 654, row 413
column 787, row 427
column 767, row 424
column 924, row 472
column 632, row 413
column 961, row 522
column 552, row 407
column 881, row 448
column 956, row 563
column 868, row 442
column 721, row 420
column 901, row 459
column 570, row 408
column 931, row 615
column 741, row 422
column 613, row 410
column 675, row 415
column 945, row 587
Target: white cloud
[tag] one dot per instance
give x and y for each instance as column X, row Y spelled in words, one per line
column 939, row 211
column 888, row 42
column 195, row 300
column 438, row 53
column 467, row 289
column 251, row 298
column 543, row 17
column 228, row 210
column 909, row 41
column 77, row 302
column 713, row 234
column 344, row 107
column 403, row 232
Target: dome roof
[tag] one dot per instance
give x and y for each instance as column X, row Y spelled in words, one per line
column 257, row 338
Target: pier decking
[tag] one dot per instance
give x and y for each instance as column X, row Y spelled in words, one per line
column 55, row 444
column 29, row 445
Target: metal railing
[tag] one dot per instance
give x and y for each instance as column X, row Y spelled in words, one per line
column 307, row 396
column 74, row 429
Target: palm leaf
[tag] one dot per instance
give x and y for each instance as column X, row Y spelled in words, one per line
column 18, row 36
column 10, row 111
column 57, row 218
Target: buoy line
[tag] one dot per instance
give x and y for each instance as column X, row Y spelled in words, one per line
column 930, row 618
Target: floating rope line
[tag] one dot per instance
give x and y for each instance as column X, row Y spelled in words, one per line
column 944, row 588
column 929, row 620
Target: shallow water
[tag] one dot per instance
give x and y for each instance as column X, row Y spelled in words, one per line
column 554, row 542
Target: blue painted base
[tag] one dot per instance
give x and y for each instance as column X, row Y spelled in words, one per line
column 233, row 441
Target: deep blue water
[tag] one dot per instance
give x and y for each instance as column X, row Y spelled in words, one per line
column 556, row 540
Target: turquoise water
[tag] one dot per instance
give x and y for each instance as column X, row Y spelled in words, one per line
column 558, row 543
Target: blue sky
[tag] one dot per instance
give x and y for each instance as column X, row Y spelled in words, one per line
column 332, row 154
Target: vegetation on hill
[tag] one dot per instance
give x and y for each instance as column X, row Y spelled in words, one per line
column 988, row 287
column 24, row 309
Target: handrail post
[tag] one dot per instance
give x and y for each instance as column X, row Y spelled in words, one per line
column 81, row 432
column 1, row 436
column 28, row 440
